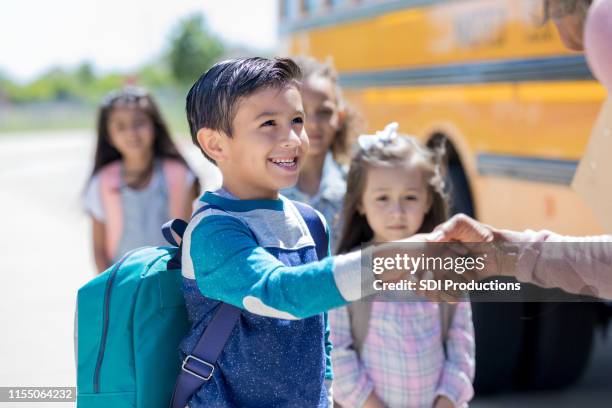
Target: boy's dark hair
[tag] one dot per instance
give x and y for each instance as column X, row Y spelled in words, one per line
column 212, row 100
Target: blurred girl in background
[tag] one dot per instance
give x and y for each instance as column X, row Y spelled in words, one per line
column 139, row 179
column 329, row 125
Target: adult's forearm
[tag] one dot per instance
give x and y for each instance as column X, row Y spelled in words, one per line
column 581, row 265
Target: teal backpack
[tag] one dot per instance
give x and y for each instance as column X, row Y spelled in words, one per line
column 130, row 321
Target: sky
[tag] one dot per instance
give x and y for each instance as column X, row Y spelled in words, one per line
column 36, row 35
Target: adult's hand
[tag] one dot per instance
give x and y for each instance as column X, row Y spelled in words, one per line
column 414, row 246
column 477, row 239
column 417, row 248
column 464, row 229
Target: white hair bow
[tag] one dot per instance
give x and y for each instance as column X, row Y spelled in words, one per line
column 383, row 136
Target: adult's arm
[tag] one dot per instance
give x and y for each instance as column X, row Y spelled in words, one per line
column 581, row 265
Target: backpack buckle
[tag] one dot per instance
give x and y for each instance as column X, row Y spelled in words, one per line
column 195, row 369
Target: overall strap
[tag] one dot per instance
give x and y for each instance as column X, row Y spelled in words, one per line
column 316, row 228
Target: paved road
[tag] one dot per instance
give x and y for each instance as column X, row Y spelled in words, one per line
column 45, row 252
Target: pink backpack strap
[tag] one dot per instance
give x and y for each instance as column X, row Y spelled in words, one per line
column 176, row 174
column 110, row 189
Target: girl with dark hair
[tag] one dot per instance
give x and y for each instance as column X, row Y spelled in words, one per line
column 139, row 179
column 410, row 354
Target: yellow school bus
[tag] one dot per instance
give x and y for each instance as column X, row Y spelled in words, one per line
column 516, row 109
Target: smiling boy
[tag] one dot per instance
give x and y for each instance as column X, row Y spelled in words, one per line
column 249, row 247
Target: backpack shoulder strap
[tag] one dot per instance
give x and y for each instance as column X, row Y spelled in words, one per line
column 359, row 313
column 316, row 228
column 447, row 313
column 110, row 194
column 359, row 317
column 176, row 174
column 199, row 366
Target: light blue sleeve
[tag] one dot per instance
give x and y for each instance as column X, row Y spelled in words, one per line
column 229, row 266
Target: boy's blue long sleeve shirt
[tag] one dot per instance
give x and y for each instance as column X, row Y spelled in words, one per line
column 258, row 255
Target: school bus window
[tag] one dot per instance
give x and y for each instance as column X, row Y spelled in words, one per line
column 282, row 9
column 312, row 6
column 303, row 7
column 288, row 9
column 328, row 5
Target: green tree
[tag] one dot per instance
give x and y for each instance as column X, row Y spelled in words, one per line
column 155, row 75
column 193, row 49
column 85, row 73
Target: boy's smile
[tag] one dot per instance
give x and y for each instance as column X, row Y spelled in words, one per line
column 267, row 144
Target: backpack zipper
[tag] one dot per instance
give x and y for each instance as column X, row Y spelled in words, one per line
column 107, row 293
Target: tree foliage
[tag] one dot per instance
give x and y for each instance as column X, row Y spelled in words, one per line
column 193, row 49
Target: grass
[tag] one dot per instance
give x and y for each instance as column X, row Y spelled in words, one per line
column 35, row 117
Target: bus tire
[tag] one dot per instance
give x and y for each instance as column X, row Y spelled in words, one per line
column 557, row 344
column 459, row 190
column 498, row 327
column 498, row 331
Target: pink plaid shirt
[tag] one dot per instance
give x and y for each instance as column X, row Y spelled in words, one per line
column 403, row 359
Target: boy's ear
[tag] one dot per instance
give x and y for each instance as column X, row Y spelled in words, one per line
column 213, row 143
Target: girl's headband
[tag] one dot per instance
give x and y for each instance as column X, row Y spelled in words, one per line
column 383, row 137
